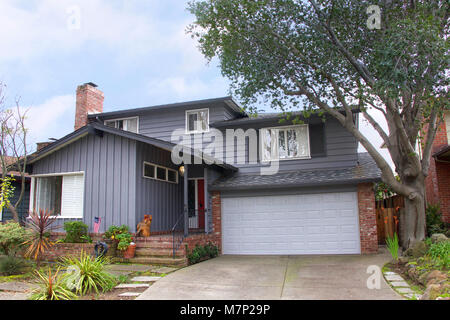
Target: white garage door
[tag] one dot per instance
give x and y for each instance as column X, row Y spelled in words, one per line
column 291, row 224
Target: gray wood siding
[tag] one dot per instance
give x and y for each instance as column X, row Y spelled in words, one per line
column 340, row 151
column 163, row 200
column 22, row 209
column 161, row 123
column 109, row 165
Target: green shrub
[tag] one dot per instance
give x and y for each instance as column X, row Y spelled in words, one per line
column 434, row 220
column 124, row 239
column 76, row 232
column 203, row 252
column 439, row 252
column 113, row 231
column 392, row 245
column 51, row 287
column 11, row 265
column 90, row 274
column 12, row 236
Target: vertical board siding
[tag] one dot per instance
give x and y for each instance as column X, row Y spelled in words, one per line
column 163, row 200
column 109, row 165
column 22, row 209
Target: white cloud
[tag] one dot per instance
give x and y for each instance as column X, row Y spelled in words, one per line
column 52, row 26
column 180, row 88
column 54, row 118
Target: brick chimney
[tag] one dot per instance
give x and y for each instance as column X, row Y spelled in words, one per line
column 41, row 145
column 89, row 100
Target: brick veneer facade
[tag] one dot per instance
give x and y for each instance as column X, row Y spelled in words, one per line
column 367, row 218
column 89, row 100
column 437, row 183
column 68, row 249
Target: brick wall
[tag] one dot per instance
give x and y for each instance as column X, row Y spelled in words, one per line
column 201, row 239
column 217, row 218
column 367, row 218
column 64, row 249
column 437, row 183
column 443, row 186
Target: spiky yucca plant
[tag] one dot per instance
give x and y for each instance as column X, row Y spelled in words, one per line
column 39, row 242
column 51, row 287
column 91, row 274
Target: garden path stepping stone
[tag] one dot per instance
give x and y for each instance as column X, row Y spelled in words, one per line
column 119, row 273
column 394, row 277
column 399, row 284
column 130, row 294
column 132, row 285
column 145, row 279
column 128, row 267
column 405, row 290
column 164, row 270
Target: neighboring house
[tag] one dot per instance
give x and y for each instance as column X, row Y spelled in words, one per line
column 438, row 180
column 22, row 209
column 118, row 166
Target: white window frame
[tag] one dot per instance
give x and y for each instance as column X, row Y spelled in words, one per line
column 261, row 143
column 187, row 112
column 118, row 119
column 33, row 181
column 155, row 176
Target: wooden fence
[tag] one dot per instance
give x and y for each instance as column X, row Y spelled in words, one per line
column 388, row 213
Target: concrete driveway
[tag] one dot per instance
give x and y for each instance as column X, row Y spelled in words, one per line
column 274, row 277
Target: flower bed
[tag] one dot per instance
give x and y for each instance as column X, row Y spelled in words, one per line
column 426, row 267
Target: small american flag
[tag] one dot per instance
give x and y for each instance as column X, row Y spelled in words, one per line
column 97, row 221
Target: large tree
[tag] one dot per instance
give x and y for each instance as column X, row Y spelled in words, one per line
column 337, row 56
column 13, row 152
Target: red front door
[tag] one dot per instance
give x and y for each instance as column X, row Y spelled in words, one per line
column 201, row 203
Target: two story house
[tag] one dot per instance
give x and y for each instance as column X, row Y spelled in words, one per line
column 252, row 185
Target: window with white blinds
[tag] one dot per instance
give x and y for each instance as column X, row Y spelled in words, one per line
column 283, row 143
column 72, row 196
column 61, row 194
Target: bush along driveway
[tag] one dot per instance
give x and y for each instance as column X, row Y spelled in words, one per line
column 425, row 267
column 338, row 277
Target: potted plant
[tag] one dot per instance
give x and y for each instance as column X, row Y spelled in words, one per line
column 111, row 238
column 126, row 245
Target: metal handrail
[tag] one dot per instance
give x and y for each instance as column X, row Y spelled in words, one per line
column 175, row 245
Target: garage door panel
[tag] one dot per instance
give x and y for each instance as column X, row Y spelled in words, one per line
column 291, row 224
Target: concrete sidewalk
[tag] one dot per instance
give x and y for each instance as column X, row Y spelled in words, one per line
column 339, row 277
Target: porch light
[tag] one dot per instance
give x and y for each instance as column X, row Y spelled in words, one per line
column 181, row 169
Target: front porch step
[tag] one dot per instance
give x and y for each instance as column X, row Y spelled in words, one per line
column 155, row 244
column 163, row 252
column 165, row 261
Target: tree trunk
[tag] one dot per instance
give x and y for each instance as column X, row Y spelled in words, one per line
column 414, row 217
column 14, row 212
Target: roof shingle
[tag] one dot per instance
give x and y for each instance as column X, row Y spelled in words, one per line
column 366, row 170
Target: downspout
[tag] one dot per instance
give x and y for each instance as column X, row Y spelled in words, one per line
column 185, row 198
column 206, row 197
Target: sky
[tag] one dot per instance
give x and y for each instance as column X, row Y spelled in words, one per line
column 137, row 52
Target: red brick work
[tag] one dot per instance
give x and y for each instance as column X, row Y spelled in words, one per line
column 437, row 183
column 367, row 218
column 217, row 218
column 89, row 100
column 65, row 249
column 201, row 239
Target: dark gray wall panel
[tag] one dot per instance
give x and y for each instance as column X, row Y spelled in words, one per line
column 109, row 165
column 163, row 200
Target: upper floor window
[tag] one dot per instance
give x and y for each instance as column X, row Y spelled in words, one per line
column 128, row 124
column 283, row 143
column 197, row 121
